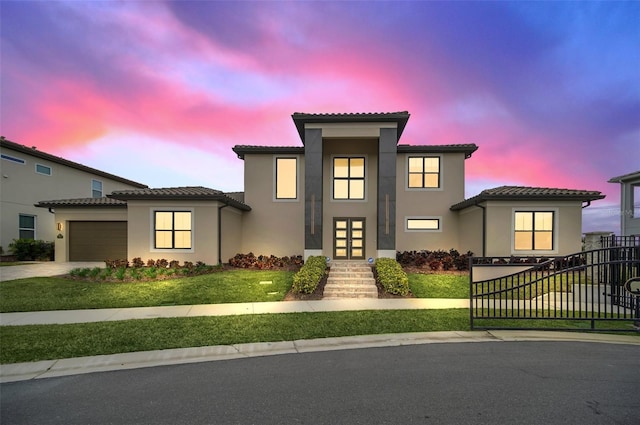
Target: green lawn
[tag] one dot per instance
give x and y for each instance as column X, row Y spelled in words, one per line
column 48, row 293
column 42, row 342
column 439, row 285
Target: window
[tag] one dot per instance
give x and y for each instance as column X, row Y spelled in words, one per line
column 12, row 159
column 286, row 178
column 96, row 189
column 43, row 169
column 172, row 229
column 423, row 224
column 635, row 201
column 27, row 226
column 533, row 230
column 424, row 172
column 348, row 178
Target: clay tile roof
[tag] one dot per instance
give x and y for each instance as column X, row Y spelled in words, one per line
column 241, row 150
column 523, row 193
column 301, row 118
column 187, row 193
column 82, row 202
column 468, row 148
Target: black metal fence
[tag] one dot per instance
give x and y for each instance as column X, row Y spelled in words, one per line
column 583, row 291
column 613, row 241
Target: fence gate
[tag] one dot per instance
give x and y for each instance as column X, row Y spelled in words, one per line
column 582, row 291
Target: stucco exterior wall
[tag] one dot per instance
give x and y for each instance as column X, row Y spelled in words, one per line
column 470, row 230
column 204, row 229
column 629, row 219
column 350, row 208
column 21, row 187
column 272, row 227
column 231, row 233
column 432, row 203
column 65, row 215
column 500, row 226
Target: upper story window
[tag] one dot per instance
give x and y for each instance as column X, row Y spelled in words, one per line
column 286, row 172
column 533, row 230
column 348, row 178
column 424, row 172
column 172, row 230
column 96, row 189
column 43, row 169
column 12, row 159
column 27, row 226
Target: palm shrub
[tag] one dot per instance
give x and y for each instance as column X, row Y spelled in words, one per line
column 306, row 280
column 391, row 276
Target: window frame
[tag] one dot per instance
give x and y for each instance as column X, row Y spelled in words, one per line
column 348, row 179
column 24, row 229
column 13, row 159
column 154, row 243
column 533, row 212
column 95, row 190
column 408, row 173
column 422, row 230
column 276, row 158
column 43, row 166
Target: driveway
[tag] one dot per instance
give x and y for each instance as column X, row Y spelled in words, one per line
column 49, row 268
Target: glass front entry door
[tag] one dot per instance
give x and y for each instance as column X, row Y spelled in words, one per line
column 348, row 238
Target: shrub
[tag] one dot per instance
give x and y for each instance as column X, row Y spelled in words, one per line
column 137, row 263
column 435, row 260
column 116, row 264
column 263, row 262
column 306, row 280
column 121, row 272
column 29, row 249
column 391, row 276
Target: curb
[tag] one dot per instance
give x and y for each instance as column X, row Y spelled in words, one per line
column 81, row 365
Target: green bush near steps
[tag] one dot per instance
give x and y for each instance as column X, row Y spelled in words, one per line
column 306, row 280
column 391, row 276
column 29, row 250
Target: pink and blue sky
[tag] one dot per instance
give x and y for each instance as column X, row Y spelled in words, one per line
column 159, row 92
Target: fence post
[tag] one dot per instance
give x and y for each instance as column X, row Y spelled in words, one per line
column 592, row 242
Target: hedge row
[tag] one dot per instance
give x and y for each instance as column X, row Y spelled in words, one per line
column 306, row 280
column 29, row 249
column 435, row 260
column 391, row 276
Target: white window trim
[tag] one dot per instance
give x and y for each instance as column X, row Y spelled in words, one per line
column 46, row 166
column 366, row 177
column 152, row 230
column 430, row 217
column 101, row 187
column 423, row 189
column 556, row 230
column 275, row 178
column 13, row 159
column 35, row 225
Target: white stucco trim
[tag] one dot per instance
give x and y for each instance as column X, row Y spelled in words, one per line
column 386, row 253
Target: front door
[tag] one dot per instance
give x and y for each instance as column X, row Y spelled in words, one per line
column 348, row 238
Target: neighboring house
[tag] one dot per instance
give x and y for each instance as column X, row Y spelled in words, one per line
column 29, row 175
column 349, row 192
column 629, row 203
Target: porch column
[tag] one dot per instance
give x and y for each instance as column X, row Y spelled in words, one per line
column 387, row 156
column 312, row 192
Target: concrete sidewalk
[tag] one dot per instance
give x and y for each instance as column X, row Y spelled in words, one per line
column 112, row 314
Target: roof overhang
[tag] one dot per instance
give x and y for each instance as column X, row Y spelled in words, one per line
column 520, row 193
column 242, row 150
column 301, row 119
column 626, row 178
column 467, row 149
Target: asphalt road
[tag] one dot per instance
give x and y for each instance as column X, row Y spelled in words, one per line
column 453, row 383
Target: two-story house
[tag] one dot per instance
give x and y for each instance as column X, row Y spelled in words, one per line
column 29, row 175
column 349, row 191
column 629, row 203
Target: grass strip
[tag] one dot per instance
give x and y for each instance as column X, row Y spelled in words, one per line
column 439, row 285
column 45, row 342
column 55, row 293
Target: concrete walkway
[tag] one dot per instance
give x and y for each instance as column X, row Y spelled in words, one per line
column 111, row 314
column 46, row 268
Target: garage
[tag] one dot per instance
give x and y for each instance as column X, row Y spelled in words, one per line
column 97, row 240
